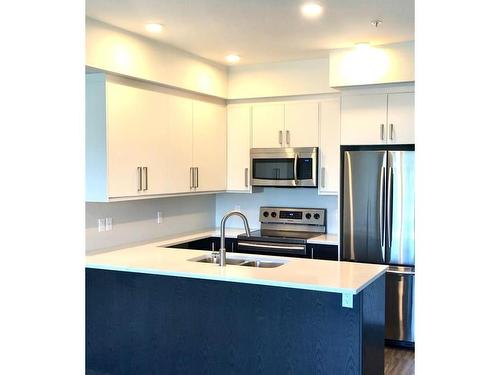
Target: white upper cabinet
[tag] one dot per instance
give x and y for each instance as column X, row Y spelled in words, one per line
column 363, row 119
column 238, row 147
column 179, row 148
column 209, row 146
column 137, row 132
column 401, row 118
column 329, row 160
column 268, row 125
column 144, row 141
column 301, row 124
column 377, row 119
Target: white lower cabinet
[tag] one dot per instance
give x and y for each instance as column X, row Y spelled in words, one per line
column 329, row 148
column 238, row 148
column 143, row 142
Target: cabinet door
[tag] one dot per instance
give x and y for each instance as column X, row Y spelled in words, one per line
column 301, row 124
column 179, row 147
column 363, row 119
column 209, row 145
column 325, row 252
column 329, row 160
column 401, row 118
column 238, row 148
column 127, row 115
column 155, row 136
column 268, row 122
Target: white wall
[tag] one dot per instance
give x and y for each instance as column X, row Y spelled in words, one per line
column 390, row 63
column 115, row 50
column 301, row 77
column 135, row 221
column 250, row 204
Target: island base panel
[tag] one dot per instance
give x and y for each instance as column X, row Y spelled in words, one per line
column 152, row 324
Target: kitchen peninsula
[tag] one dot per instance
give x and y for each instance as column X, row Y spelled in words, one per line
column 157, row 310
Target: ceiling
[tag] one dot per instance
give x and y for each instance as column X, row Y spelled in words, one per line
column 260, row 31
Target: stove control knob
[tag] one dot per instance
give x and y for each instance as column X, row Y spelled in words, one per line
column 308, row 216
column 316, row 216
column 265, row 214
column 273, row 214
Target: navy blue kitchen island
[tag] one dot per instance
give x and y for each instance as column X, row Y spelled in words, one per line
column 144, row 323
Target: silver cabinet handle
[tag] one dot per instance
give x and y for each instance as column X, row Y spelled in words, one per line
column 382, row 132
column 197, row 185
column 246, row 177
column 145, row 171
column 280, row 140
column 288, row 137
column 323, row 172
column 139, row 178
column 312, row 252
column 191, row 177
column 391, row 132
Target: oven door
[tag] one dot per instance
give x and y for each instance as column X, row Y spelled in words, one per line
column 273, row 248
column 291, row 167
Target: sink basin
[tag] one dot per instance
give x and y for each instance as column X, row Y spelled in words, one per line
column 239, row 261
column 261, row 264
column 215, row 260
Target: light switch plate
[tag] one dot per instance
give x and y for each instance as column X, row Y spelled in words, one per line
column 347, row 300
column 109, row 224
column 101, row 225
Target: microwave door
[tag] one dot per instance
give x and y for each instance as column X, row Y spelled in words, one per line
column 273, row 171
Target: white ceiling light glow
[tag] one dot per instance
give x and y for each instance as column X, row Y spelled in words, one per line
column 232, row 59
column 362, row 46
column 311, row 10
column 154, row 27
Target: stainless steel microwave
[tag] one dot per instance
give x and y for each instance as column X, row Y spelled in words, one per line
column 284, row 167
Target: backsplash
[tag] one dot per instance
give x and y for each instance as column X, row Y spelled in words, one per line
column 250, row 204
column 136, row 221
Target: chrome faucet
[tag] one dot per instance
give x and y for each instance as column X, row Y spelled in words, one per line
column 222, row 250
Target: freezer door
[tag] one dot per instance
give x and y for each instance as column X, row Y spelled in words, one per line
column 400, row 238
column 400, row 304
column 363, row 206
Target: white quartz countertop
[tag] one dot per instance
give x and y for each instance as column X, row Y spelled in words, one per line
column 172, row 240
column 311, row 274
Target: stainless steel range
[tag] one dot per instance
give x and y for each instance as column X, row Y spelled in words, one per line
column 284, row 231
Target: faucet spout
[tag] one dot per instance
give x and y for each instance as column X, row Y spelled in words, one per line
column 222, row 251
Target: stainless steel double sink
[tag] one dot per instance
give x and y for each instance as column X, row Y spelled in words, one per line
column 240, row 261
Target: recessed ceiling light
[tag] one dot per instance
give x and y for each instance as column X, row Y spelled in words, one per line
column 232, row 59
column 311, row 10
column 154, row 27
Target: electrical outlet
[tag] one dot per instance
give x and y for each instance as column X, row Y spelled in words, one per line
column 159, row 217
column 101, row 225
column 109, row 224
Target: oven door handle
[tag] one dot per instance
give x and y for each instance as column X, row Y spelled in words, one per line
column 296, row 249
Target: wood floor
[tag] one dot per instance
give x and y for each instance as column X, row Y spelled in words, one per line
column 399, row 361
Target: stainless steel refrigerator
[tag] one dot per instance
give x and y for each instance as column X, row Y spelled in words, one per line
column 377, row 225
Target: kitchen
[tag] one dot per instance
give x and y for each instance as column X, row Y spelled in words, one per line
column 312, row 170
column 250, row 200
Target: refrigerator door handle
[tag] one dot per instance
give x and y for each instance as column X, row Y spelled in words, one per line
column 389, row 206
column 381, row 221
